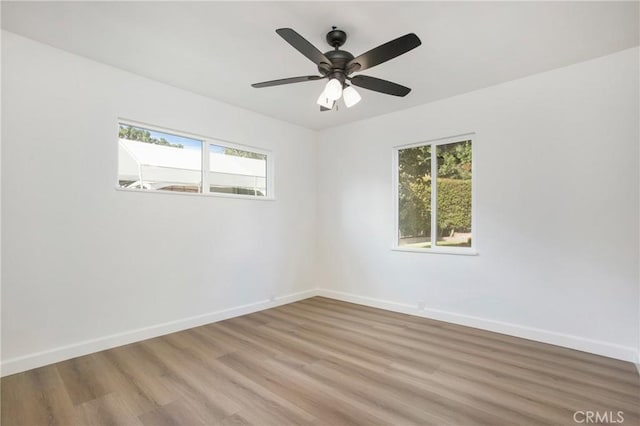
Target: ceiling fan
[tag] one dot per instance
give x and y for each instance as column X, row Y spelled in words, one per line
column 338, row 65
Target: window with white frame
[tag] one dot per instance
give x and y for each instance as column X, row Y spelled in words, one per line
column 159, row 160
column 433, row 195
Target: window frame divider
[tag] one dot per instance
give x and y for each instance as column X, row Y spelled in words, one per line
column 204, row 178
column 434, row 196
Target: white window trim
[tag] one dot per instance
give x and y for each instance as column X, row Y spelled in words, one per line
column 465, row 251
column 206, row 142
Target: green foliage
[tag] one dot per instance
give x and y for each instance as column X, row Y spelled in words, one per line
column 454, row 189
column 414, row 168
column 454, row 160
column 246, row 154
column 454, row 205
column 414, row 162
column 415, row 207
column 141, row 135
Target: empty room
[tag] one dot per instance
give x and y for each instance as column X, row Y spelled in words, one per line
column 320, row 213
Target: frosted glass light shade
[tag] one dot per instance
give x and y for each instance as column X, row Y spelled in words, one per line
column 324, row 101
column 351, row 96
column 333, row 90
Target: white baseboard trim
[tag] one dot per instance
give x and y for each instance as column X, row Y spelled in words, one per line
column 598, row 347
column 39, row 359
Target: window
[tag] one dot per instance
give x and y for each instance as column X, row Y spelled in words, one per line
column 155, row 160
column 433, row 196
column 235, row 171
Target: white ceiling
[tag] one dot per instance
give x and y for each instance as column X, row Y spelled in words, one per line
column 218, row 49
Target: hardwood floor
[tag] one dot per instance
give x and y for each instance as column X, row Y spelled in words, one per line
column 325, row 362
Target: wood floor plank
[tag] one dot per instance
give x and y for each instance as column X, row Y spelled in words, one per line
column 36, row 397
column 109, row 410
column 488, row 336
column 324, row 362
column 212, row 382
column 234, row 420
column 173, row 414
column 294, row 354
column 85, row 378
column 425, row 393
column 451, row 350
column 412, row 328
column 314, row 397
column 186, row 375
column 408, row 374
column 407, row 408
column 134, row 379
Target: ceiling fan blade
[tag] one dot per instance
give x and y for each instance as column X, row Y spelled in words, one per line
column 287, row 81
column 379, row 85
column 384, row 52
column 303, row 46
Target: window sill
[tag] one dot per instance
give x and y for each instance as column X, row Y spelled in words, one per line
column 455, row 251
column 197, row 194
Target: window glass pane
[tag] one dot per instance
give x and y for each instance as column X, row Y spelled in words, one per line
column 148, row 159
column 454, row 194
column 234, row 171
column 414, row 197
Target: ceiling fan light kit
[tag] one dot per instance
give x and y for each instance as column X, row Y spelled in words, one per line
column 338, row 65
column 333, row 89
column 324, row 102
column 351, row 96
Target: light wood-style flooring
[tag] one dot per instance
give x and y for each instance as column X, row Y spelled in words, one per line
column 324, row 362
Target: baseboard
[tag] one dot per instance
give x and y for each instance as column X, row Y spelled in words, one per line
column 39, row 359
column 598, row 347
column 27, row 362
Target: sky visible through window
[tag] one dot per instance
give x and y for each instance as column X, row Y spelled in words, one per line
column 187, row 143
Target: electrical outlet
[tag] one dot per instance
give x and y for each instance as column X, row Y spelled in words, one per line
column 421, row 305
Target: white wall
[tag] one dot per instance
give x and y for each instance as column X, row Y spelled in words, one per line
column 556, row 157
column 83, row 261
column 87, row 267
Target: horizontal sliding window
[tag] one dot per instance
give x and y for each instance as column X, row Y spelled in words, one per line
column 433, row 195
column 154, row 160
column 235, row 171
column 157, row 160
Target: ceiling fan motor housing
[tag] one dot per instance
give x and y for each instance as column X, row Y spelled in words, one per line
column 339, row 60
